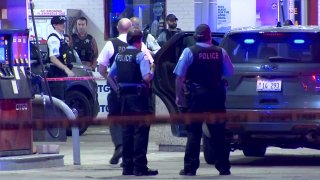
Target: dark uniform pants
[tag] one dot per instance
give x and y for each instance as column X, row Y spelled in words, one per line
column 135, row 136
column 57, row 88
column 208, row 101
column 114, row 107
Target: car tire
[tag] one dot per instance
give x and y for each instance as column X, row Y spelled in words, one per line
column 78, row 101
column 208, row 152
column 256, row 151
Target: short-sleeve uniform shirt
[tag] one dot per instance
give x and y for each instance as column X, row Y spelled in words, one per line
column 54, row 44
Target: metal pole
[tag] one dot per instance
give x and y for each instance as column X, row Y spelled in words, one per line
column 76, row 146
column 282, row 10
column 279, row 10
column 76, row 141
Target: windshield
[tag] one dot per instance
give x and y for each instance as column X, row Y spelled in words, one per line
column 286, row 47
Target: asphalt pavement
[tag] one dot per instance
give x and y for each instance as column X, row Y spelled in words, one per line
column 96, row 150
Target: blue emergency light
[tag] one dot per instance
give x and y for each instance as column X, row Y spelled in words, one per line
column 249, row 41
column 298, row 41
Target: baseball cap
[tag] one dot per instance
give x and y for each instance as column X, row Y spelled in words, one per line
column 202, row 32
column 58, row 20
column 171, row 17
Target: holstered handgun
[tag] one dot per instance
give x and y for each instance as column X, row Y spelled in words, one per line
column 137, row 90
column 186, row 97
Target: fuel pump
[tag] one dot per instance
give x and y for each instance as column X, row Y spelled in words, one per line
column 15, row 92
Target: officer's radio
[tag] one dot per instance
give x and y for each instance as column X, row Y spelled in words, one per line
column 15, row 92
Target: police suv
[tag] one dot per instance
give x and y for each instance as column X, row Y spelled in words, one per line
column 275, row 89
column 80, row 95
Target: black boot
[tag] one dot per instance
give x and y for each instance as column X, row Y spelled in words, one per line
column 224, row 172
column 127, row 172
column 147, row 172
column 184, row 172
column 116, row 155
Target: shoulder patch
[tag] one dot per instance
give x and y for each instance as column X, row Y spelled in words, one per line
column 55, row 50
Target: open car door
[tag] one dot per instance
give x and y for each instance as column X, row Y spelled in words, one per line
column 164, row 80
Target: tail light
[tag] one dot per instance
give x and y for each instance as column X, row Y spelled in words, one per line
column 312, row 84
column 316, row 78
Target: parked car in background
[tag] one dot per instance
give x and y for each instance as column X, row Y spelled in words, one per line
column 81, row 95
column 277, row 69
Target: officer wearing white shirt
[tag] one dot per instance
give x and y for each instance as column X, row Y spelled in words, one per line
column 54, row 40
column 148, row 39
column 61, row 65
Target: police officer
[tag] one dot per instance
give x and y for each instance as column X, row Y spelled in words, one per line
column 71, row 52
column 59, row 57
column 165, row 35
column 203, row 66
column 147, row 38
column 85, row 44
column 105, row 59
column 153, row 47
column 132, row 69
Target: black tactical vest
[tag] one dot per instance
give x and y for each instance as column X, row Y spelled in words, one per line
column 66, row 56
column 207, row 66
column 169, row 34
column 128, row 68
column 119, row 47
column 83, row 47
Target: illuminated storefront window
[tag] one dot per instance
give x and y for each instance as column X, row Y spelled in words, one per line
column 150, row 12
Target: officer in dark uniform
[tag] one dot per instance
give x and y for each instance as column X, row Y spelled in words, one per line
column 203, row 66
column 105, row 59
column 132, row 70
column 85, row 44
column 60, row 57
column 71, row 52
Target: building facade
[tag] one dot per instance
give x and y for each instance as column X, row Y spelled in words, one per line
column 221, row 15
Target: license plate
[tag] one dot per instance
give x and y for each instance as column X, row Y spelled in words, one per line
column 269, row 85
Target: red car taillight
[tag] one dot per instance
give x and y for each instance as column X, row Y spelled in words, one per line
column 312, row 84
column 316, row 78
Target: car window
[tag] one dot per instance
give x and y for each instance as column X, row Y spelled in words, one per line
column 43, row 52
column 272, row 47
column 216, row 40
